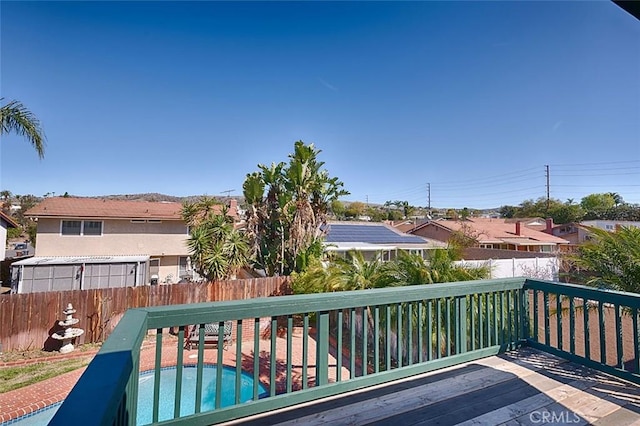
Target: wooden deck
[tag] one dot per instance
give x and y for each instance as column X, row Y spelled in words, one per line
column 526, row 387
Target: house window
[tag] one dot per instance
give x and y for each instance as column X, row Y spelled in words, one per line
column 71, row 227
column 92, row 227
column 81, row 227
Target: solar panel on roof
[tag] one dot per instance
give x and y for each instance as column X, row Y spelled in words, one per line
column 342, row 233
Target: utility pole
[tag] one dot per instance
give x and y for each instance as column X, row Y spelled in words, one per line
column 228, row 192
column 546, row 168
column 429, row 199
column 367, row 197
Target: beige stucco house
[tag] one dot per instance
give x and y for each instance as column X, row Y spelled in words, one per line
column 92, row 228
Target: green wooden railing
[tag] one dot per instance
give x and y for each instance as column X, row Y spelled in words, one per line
column 596, row 328
column 361, row 338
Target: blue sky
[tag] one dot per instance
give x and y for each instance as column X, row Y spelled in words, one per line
column 474, row 98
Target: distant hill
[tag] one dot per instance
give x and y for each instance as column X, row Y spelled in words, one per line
column 154, row 196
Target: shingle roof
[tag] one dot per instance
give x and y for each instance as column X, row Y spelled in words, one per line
column 373, row 233
column 105, row 208
column 10, row 222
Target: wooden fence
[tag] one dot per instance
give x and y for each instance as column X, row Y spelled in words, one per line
column 28, row 320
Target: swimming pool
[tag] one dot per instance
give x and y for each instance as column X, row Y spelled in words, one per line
column 167, row 394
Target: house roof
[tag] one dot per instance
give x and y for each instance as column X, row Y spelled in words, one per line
column 492, row 231
column 10, row 222
column 102, row 208
column 372, row 233
column 105, row 208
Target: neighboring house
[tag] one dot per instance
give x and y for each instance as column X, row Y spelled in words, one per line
column 373, row 239
column 578, row 233
column 6, row 222
column 492, row 234
column 112, row 234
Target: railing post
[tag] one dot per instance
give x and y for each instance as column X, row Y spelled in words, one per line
column 322, row 348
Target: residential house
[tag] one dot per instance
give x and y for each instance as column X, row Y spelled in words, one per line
column 374, row 239
column 86, row 240
column 6, row 222
column 492, row 234
column 578, row 233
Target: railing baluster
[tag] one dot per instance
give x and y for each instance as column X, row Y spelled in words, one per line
column 457, row 332
column 536, row 313
column 376, row 339
column 516, row 316
column 636, row 341
column 603, row 349
column 494, row 310
column 420, row 331
column 503, row 320
column 352, row 346
column 559, row 320
column 509, row 321
column 156, row 378
column 525, row 314
column 199, row 368
column 409, row 333
column 447, row 313
column 464, row 345
column 399, row 343
column 365, row 332
column 272, row 356
column 619, row 348
column 429, row 330
column 305, row 349
column 387, row 337
column 178, row 393
column 487, row 312
column 585, row 316
column 438, row 328
column 480, row 322
column 238, row 393
column 572, row 325
column 547, row 335
column 256, row 358
column 219, row 365
column 472, row 318
column 289, row 352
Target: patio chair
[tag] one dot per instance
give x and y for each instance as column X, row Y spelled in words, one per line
column 211, row 335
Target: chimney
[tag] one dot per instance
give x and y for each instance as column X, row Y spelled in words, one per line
column 233, row 207
column 549, row 228
column 518, row 228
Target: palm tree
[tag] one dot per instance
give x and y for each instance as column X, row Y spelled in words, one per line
column 16, row 118
column 611, row 259
column 217, row 250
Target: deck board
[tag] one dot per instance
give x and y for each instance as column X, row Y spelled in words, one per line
column 519, row 388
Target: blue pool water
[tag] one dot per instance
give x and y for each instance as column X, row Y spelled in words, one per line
column 167, row 393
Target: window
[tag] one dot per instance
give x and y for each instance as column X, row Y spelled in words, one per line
column 81, row 227
column 92, row 227
column 71, row 227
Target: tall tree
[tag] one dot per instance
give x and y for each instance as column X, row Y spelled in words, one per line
column 287, row 205
column 16, row 118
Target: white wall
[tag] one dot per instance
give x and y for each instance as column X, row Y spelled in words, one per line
column 545, row 268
